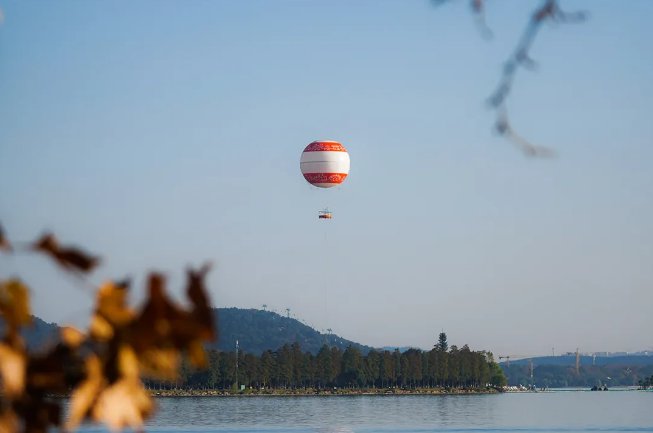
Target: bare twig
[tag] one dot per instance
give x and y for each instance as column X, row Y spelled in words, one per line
column 478, row 7
column 521, row 56
column 548, row 11
column 503, row 127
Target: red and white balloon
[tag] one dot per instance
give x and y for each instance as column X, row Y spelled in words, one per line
column 325, row 163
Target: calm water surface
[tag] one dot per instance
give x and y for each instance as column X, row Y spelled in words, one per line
column 610, row 411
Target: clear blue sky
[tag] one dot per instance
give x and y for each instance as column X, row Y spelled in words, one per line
column 161, row 134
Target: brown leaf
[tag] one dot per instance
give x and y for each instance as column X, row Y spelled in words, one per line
column 8, row 422
column 124, row 404
column 14, row 303
column 84, row 396
column 47, row 372
column 202, row 312
column 162, row 329
column 70, row 258
column 39, row 414
column 111, row 311
column 196, row 354
column 155, row 325
column 100, row 328
column 72, row 337
column 12, row 370
column 4, row 242
column 160, row 363
column 128, row 363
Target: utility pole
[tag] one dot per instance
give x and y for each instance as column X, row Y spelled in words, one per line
column 577, row 361
column 237, row 387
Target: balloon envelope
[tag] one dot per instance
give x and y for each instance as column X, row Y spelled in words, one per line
column 325, row 163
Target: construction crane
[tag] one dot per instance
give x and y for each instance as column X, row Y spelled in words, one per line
column 507, row 358
column 530, row 364
column 515, row 357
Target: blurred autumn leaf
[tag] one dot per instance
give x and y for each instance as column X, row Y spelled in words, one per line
column 69, row 258
column 14, row 303
column 100, row 369
column 4, row 242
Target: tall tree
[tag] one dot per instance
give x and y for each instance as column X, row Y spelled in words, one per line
column 352, row 367
column 442, row 344
column 266, row 368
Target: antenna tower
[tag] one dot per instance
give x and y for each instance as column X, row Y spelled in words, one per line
column 236, row 364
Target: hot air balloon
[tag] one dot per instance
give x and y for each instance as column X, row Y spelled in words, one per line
column 325, row 163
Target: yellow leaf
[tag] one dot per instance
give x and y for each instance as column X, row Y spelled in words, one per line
column 161, row 363
column 8, row 422
column 112, row 304
column 100, row 329
column 84, row 395
column 196, row 354
column 14, row 302
column 124, row 404
column 12, row 370
column 72, row 337
column 128, row 363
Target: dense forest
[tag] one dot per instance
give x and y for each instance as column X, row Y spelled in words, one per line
column 290, row 367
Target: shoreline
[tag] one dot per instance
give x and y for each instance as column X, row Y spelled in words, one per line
column 318, row 392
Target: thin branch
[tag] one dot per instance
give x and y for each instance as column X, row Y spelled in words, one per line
column 549, row 11
column 504, row 128
column 478, row 8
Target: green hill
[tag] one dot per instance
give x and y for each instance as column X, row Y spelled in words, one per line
column 258, row 331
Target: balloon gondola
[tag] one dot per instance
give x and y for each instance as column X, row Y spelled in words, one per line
column 325, row 214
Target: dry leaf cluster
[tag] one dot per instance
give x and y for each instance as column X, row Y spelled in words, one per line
column 100, row 369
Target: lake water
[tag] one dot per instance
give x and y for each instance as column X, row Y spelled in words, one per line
column 564, row 411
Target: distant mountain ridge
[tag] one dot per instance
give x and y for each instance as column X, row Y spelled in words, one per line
column 584, row 360
column 255, row 330
column 38, row 335
column 260, row 330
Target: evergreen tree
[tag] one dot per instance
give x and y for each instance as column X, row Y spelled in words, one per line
column 497, row 377
column 373, row 368
column 266, row 368
column 352, row 368
column 324, row 367
column 442, row 344
column 336, row 364
column 284, row 360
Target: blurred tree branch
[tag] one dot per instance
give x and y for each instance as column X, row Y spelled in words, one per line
column 548, row 11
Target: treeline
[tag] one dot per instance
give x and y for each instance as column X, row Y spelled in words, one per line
column 559, row 376
column 646, row 383
column 290, row 367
